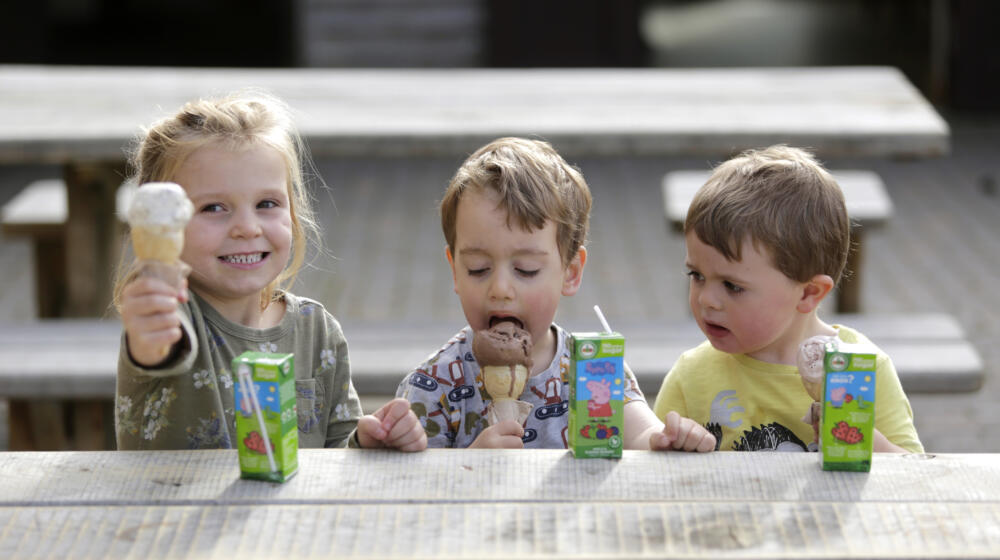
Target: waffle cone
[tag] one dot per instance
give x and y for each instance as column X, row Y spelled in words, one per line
column 505, row 382
column 156, row 245
column 501, row 410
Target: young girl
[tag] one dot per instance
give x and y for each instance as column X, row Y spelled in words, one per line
column 239, row 161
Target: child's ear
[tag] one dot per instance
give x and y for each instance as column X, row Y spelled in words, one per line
column 813, row 292
column 451, row 263
column 573, row 275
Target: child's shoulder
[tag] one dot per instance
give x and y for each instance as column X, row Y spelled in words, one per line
column 854, row 336
column 307, row 311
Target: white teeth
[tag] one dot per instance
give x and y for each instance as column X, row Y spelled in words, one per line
column 244, row 259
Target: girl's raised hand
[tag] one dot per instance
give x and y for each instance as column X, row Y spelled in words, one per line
column 149, row 315
column 393, row 425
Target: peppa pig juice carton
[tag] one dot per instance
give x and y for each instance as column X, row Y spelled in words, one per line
column 848, row 416
column 596, row 395
column 272, row 380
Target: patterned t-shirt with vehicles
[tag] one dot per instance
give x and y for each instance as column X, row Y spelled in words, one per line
column 446, row 393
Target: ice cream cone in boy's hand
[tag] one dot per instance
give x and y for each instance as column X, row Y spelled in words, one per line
column 157, row 216
column 504, row 355
column 810, row 361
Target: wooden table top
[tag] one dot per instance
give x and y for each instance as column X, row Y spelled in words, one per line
column 55, row 113
column 494, row 503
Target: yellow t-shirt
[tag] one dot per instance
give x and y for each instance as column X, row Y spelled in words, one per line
column 752, row 405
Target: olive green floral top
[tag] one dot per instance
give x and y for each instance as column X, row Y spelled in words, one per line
column 188, row 403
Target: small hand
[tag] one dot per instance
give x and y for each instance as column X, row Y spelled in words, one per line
column 503, row 435
column 149, row 315
column 393, row 425
column 683, row 434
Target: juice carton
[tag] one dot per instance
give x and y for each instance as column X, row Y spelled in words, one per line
column 848, row 416
column 273, row 383
column 596, row 395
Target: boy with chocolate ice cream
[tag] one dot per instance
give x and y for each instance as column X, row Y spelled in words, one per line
column 515, row 218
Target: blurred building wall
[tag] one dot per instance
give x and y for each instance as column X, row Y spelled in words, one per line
column 948, row 48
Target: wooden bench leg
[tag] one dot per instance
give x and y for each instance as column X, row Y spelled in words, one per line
column 93, row 241
column 849, row 292
column 38, row 426
column 50, row 277
column 42, row 425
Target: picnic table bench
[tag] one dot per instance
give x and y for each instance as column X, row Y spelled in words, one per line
column 39, row 214
column 868, row 207
column 76, row 360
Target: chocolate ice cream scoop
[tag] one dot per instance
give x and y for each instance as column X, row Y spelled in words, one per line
column 504, row 355
column 504, row 344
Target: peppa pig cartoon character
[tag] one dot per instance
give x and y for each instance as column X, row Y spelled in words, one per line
column 600, row 397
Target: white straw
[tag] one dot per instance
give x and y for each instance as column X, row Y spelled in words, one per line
column 246, row 386
column 607, row 327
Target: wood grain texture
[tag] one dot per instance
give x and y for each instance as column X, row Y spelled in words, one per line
column 60, row 113
column 480, row 503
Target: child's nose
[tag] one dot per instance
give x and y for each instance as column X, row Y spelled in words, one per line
column 501, row 287
column 245, row 224
column 708, row 298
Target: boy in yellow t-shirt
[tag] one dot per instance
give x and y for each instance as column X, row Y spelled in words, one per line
column 767, row 239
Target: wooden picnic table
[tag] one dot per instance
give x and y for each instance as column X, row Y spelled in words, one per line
column 84, row 117
column 445, row 503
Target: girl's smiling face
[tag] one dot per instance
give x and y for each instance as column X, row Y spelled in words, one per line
column 743, row 307
column 240, row 236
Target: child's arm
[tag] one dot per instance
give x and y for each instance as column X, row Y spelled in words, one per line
column 393, row 425
column 149, row 315
column 881, row 444
column 643, row 430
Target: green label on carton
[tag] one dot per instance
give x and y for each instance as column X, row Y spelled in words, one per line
column 273, row 383
column 597, row 395
column 848, row 417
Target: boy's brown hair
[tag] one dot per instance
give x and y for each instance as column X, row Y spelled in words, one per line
column 783, row 200
column 535, row 184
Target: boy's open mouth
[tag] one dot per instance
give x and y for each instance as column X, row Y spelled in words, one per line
column 496, row 320
column 715, row 328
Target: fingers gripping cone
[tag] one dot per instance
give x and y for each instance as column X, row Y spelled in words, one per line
column 504, row 356
column 157, row 216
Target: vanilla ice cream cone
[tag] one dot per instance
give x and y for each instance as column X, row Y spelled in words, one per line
column 156, row 244
column 157, row 216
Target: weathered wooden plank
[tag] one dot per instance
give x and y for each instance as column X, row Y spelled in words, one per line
column 482, row 503
column 865, row 195
column 445, row 476
column 535, row 530
column 59, row 113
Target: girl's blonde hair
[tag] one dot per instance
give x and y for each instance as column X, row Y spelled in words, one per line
column 238, row 121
